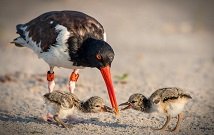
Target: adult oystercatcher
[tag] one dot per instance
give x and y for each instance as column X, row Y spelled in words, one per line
column 170, row 101
column 69, row 39
column 61, row 104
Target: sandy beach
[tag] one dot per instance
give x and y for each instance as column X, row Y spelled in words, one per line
column 157, row 44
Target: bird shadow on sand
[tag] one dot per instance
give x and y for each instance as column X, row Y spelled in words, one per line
column 71, row 122
column 95, row 121
column 23, row 119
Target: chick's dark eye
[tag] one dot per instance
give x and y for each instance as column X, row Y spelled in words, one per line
column 133, row 101
column 97, row 106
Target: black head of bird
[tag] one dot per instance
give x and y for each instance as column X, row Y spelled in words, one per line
column 99, row 54
column 95, row 53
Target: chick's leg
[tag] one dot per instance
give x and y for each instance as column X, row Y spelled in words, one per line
column 59, row 121
column 180, row 118
column 165, row 124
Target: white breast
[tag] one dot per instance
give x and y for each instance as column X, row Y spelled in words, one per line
column 174, row 108
column 171, row 107
column 54, row 109
column 66, row 112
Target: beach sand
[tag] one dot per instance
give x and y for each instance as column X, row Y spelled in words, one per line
column 157, row 44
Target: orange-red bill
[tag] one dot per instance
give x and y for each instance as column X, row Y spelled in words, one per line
column 105, row 71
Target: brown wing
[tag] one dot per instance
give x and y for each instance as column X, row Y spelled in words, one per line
column 156, row 96
column 80, row 26
column 61, row 98
column 165, row 94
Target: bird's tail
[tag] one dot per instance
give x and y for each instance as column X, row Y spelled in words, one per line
column 21, row 40
column 20, row 29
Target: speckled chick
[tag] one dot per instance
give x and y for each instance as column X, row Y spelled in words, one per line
column 61, row 104
column 170, row 101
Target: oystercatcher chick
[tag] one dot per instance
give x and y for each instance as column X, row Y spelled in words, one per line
column 69, row 39
column 170, row 101
column 61, row 104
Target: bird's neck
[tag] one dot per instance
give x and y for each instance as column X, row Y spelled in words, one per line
column 76, row 102
column 148, row 106
column 83, row 107
column 80, row 55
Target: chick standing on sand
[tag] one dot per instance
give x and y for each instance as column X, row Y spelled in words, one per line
column 170, row 101
column 61, row 104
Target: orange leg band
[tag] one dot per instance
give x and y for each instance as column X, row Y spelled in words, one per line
column 74, row 77
column 50, row 76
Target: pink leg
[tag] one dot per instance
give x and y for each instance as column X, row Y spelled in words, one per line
column 73, row 78
column 51, row 84
column 50, row 78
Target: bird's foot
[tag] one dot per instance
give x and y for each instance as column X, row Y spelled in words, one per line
column 59, row 121
column 174, row 129
column 158, row 129
column 48, row 117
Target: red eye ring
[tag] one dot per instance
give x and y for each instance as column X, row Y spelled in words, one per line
column 98, row 56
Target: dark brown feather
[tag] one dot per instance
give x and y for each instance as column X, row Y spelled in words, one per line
column 67, row 100
column 80, row 26
column 170, row 93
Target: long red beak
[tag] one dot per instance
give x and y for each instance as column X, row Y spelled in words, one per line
column 105, row 71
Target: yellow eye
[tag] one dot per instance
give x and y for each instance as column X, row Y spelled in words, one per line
column 98, row 56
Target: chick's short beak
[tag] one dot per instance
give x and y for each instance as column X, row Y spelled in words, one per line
column 127, row 107
column 107, row 109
